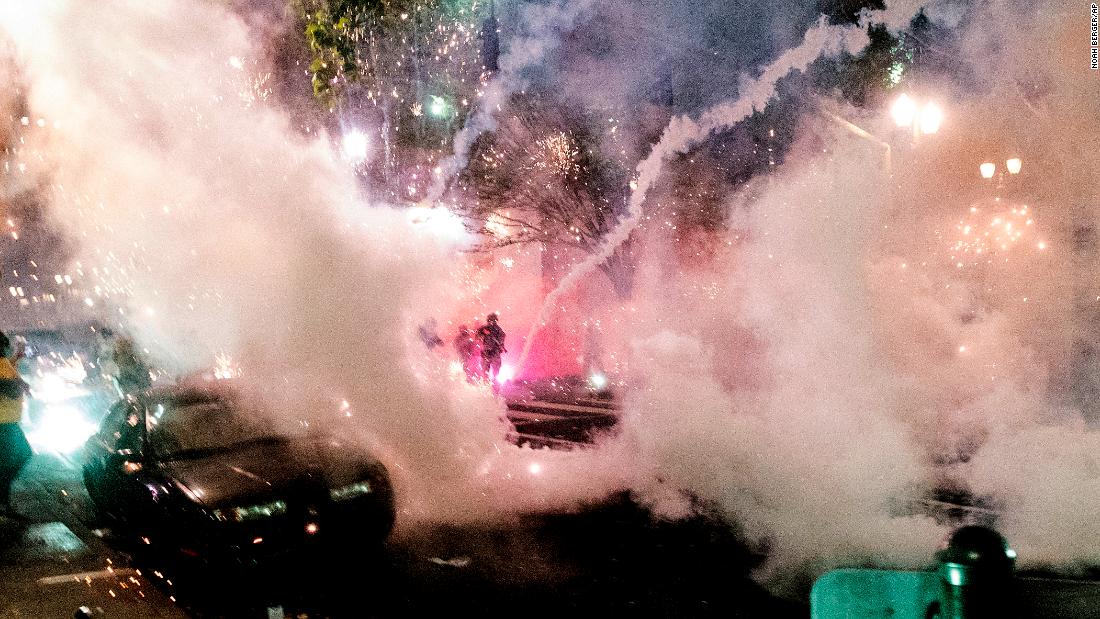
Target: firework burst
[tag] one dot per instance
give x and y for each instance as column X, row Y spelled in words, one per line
column 556, row 154
column 993, row 233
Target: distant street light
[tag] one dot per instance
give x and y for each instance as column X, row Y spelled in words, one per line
column 904, row 111
column 924, row 119
column 354, row 145
column 1012, row 167
column 930, row 118
column 438, row 107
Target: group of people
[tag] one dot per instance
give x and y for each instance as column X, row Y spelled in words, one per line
column 480, row 350
column 118, row 361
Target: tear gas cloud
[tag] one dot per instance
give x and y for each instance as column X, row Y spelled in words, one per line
column 837, row 364
column 214, row 227
column 877, row 357
column 691, row 55
column 685, row 132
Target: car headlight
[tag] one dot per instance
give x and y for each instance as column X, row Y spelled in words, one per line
column 251, row 512
column 350, row 491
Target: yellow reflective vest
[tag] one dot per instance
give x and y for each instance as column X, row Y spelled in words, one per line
column 11, row 409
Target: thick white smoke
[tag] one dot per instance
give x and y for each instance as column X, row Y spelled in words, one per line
column 214, row 227
column 685, row 132
column 881, row 363
column 809, row 459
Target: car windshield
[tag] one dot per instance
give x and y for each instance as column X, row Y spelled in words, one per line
column 198, row 424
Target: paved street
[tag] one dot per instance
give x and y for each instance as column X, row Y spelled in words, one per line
column 559, row 413
column 610, row 558
column 53, row 563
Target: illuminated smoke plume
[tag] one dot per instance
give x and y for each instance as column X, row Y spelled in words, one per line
column 825, row 380
column 215, row 229
column 849, row 366
column 684, row 133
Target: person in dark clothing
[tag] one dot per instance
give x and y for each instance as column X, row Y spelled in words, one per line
column 491, row 338
column 14, row 449
column 427, row 333
column 133, row 374
column 466, row 348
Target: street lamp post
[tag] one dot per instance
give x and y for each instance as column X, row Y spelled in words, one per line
column 922, row 119
column 1013, row 166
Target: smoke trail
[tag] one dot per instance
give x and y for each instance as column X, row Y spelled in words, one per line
column 543, row 25
column 684, row 132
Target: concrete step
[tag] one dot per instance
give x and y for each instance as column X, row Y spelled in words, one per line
column 538, row 406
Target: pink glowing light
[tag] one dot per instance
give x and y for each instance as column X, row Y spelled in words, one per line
column 505, row 374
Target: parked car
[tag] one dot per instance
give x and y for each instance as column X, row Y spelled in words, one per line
column 193, row 469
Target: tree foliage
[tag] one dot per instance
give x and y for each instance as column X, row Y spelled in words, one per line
column 332, row 28
column 542, row 177
column 398, row 56
column 546, row 175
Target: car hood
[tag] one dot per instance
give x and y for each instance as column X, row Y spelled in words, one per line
column 263, row 471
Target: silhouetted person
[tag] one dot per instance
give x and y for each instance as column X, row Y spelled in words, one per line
column 19, row 359
column 491, row 338
column 14, row 449
column 467, row 351
column 133, row 374
column 428, row 335
column 105, row 355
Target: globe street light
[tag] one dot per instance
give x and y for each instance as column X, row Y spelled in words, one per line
column 924, row 119
column 930, row 118
column 904, row 110
column 989, row 171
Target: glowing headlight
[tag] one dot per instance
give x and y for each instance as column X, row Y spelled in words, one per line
column 61, row 428
column 344, row 493
column 251, row 512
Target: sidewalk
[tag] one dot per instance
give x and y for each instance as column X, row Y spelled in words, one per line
column 51, row 563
